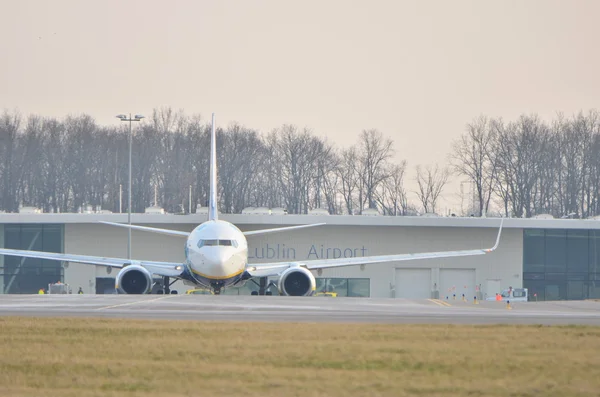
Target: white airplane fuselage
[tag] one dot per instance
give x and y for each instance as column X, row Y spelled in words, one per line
column 216, row 254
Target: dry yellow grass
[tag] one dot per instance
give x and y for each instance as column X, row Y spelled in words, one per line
column 111, row 357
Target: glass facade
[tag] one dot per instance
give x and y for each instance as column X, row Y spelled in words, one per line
column 355, row 287
column 561, row 264
column 105, row 285
column 28, row 275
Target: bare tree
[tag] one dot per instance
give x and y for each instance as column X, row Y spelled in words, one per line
column 54, row 176
column 266, row 189
column 391, row 195
column 296, row 153
column 431, row 182
column 80, row 161
column 348, row 178
column 30, row 155
column 374, row 153
column 527, row 166
column 321, row 187
column 576, row 139
column 472, row 158
column 9, row 134
column 240, row 157
column 592, row 188
column 519, row 149
column 172, row 174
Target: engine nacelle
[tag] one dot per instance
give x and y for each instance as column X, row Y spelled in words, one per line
column 134, row 279
column 296, row 281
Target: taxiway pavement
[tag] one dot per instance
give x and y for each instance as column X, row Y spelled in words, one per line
column 300, row 309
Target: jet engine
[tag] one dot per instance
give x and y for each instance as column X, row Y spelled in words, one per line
column 134, row 279
column 296, row 281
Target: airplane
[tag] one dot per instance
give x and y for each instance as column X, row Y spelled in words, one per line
column 216, row 256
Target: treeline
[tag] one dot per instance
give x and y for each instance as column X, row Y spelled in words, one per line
column 66, row 165
column 518, row 168
column 529, row 167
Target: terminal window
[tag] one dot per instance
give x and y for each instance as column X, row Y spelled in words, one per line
column 355, row 287
column 27, row 275
column 561, row 264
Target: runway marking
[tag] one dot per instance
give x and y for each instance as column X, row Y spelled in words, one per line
column 439, row 302
column 133, row 303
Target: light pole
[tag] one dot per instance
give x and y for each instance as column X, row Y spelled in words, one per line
column 122, row 117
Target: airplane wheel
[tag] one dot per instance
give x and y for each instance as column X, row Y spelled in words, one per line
column 269, row 293
column 254, row 293
column 173, row 292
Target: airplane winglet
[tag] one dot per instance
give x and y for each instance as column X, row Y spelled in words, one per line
column 497, row 238
column 280, row 229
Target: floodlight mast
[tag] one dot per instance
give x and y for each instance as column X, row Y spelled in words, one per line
column 123, row 117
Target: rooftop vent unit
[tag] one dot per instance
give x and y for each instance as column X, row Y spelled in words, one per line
column 543, row 216
column 318, row 211
column 154, row 210
column 370, row 212
column 256, row 211
column 203, row 210
column 29, row 210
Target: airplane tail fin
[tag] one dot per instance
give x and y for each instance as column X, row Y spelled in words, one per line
column 212, row 201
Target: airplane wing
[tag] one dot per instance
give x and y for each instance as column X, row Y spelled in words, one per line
column 149, row 229
column 186, row 234
column 169, row 269
column 272, row 269
column 280, row 229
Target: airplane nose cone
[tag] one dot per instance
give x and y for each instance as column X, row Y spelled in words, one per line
column 216, row 257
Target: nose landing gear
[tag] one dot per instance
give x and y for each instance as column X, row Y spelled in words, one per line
column 217, row 286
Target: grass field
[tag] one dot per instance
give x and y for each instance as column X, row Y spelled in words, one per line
column 111, row 357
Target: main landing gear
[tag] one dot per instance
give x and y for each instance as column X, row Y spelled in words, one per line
column 166, row 286
column 263, row 287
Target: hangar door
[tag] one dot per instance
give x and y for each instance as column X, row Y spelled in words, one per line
column 457, row 281
column 413, row 283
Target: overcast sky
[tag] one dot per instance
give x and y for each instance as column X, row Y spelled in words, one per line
column 416, row 70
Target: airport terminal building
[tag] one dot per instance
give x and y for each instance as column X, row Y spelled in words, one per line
column 556, row 259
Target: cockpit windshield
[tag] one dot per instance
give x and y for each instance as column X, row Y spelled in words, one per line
column 222, row 243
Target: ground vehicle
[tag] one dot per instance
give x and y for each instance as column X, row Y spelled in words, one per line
column 198, row 291
column 512, row 294
column 330, row 294
column 59, row 288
